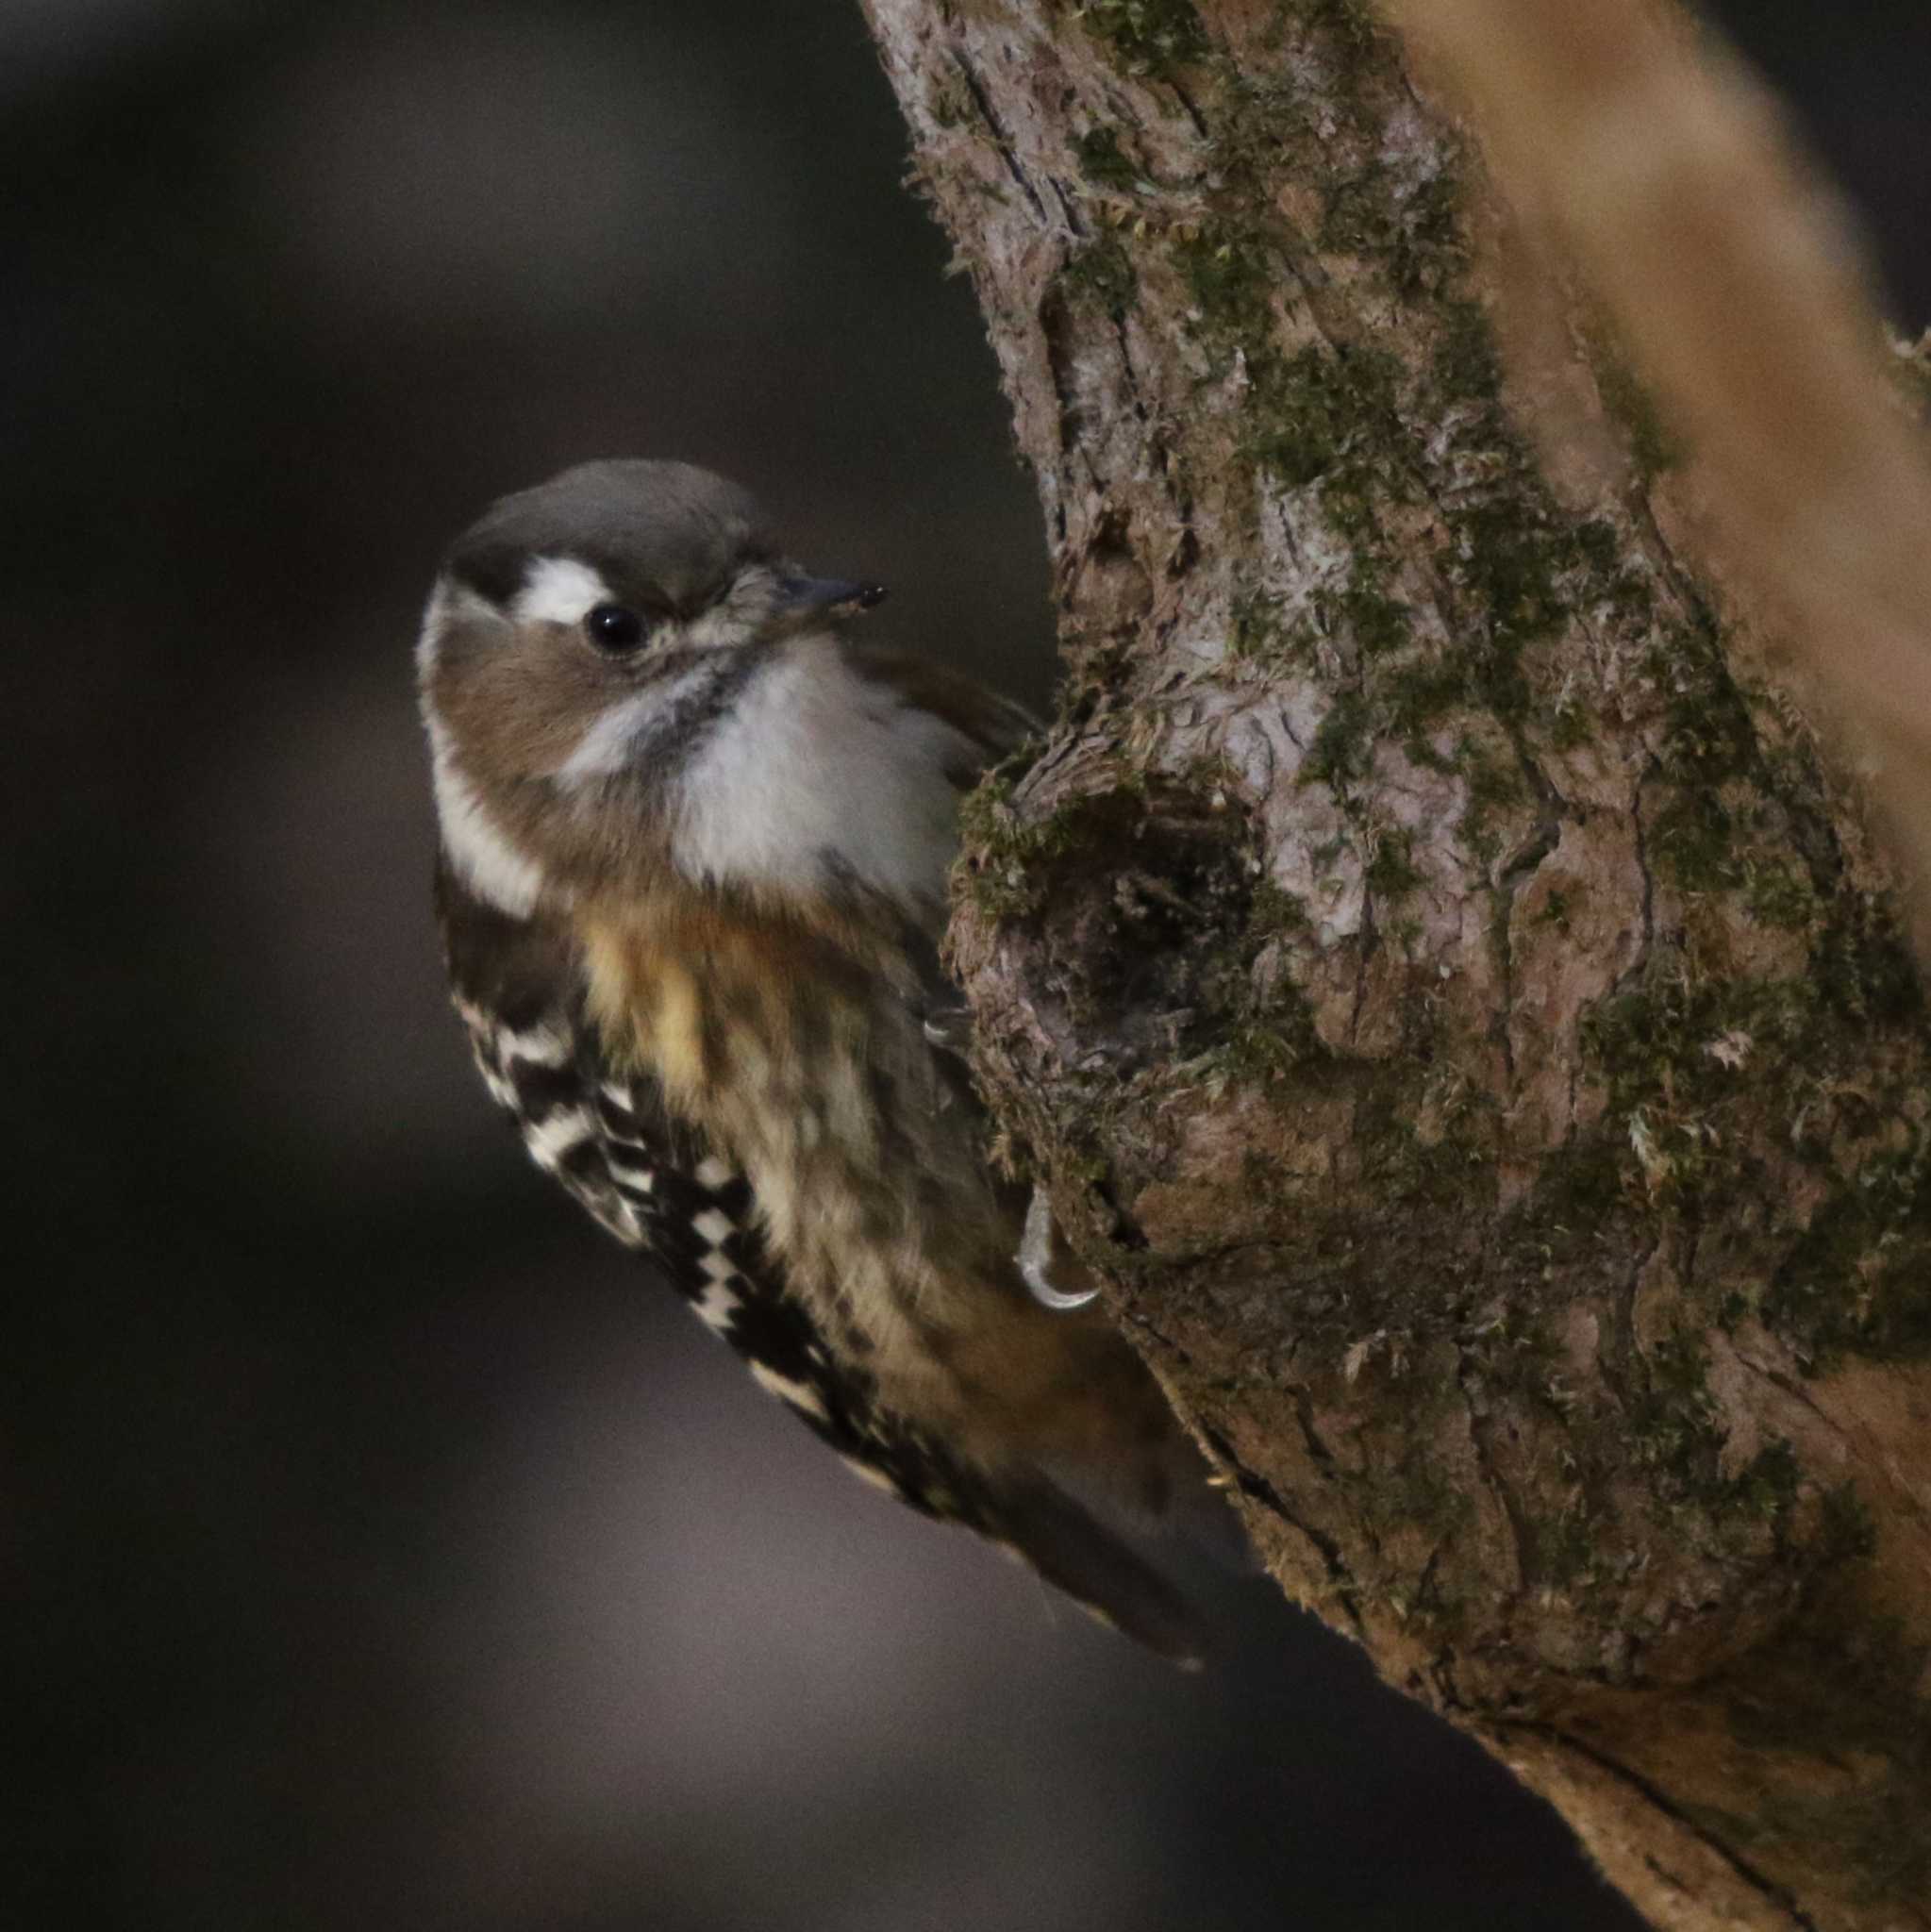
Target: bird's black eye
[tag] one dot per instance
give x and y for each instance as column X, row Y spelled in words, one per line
column 614, row 628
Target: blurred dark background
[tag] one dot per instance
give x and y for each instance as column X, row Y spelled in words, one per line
column 380, row 1548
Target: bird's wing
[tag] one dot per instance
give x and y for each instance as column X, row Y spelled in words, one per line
column 608, row 1137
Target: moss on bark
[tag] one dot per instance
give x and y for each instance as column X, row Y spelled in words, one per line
column 1456, row 1007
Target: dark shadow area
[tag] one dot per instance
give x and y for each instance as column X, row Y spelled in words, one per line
column 383, row 1547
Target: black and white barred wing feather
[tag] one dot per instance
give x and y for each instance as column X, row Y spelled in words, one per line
column 609, row 1139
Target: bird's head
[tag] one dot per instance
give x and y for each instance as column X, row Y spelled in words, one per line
column 584, row 641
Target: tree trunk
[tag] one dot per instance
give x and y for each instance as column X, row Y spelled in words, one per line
column 1452, row 1003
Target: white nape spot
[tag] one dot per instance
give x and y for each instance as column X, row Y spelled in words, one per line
column 558, row 590
column 716, row 1306
column 800, row 1395
column 484, row 859
column 816, row 766
column 714, row 1174
column 718, row 1266
column 549, row 1141
column 450, row 604
column 714, row 1226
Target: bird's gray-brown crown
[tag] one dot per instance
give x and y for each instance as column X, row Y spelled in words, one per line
column 665, row 532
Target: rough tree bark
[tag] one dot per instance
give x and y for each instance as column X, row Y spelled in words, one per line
column 1452, row 1001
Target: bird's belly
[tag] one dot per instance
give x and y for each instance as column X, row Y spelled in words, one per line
column 869, row 1178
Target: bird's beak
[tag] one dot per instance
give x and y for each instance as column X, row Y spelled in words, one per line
column 807, row 597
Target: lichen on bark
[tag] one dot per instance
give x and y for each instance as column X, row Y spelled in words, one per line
column 1456, row 1004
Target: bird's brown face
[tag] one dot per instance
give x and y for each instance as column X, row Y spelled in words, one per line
column 582, row 640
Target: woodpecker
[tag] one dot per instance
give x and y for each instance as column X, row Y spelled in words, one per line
column 691, row 884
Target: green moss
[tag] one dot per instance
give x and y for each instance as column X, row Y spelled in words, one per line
column 1343, row 745
column 1151, row 37
column 1231, row 274
column 1779, row 895
column 1266, row 1032
column 1849, row 1534
column 1415, row 232
column 1466, row 367
column 1674, row 1053
column 1570, row 723
column 1427, row 1176
column 1431, row 243
column 949, row 103
column 1524, row 566
column 1861, row 968
column 1273, row 1039
column 1320, row 412
column 1766, row 1486
column 1692, row 839
column 1276, row 912
column 1561, row 1549
column 1708, row 742
column 1581, row 1191
column 1419, row 1494
column 1418, row 693
column 1493, row 787
column 1102, row 272
column 1510, row 571
column 1672, row 1422
column 1598, row 546
column 1649, row 1045
column 1392, row 871
column 1860, row 1276
column 1652, row 447
column 1379, row 624
column 1102, row 162
column 1003, row 855
column 1512, row 558
column 1351, row 23
column 1258, row 634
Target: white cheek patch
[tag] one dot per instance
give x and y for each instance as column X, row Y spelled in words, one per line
column 484, row 859
column 450, row 605
column 559, row 590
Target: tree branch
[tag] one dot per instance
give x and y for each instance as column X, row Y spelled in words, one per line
column 1456, row 1007
column 1663, row 170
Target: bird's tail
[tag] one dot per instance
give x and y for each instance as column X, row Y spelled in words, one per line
column 1077, row 1552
